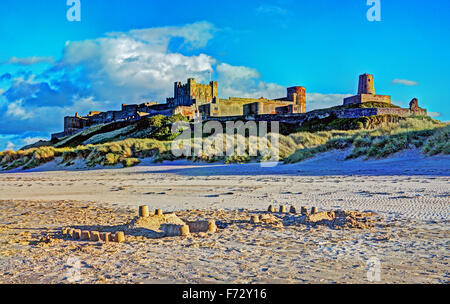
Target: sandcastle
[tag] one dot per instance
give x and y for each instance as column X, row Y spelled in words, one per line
column 160, row 224
column 293, row 210
column 95, row 236
column 155, row 224
column 338, row 218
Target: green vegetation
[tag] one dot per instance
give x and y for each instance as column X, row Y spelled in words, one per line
column 364, row 105
column 368, row 137
column 386, row 139
column 130, row 162
column 126, row 153
column 156, row 127
column 333, row 123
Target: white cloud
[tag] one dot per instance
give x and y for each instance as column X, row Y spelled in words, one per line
column 195, row 35
column 100, row 74
column 271, row 10
column 129, row 67
column 16, row 110
column 31, row 140
column 233, row 73
column 405, row 82
column 316, row 101
column 136, row 66
column 434, row 114
column 241, row 81
column 29, row 60
column 10, row 146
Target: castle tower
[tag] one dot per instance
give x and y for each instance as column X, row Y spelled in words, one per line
column 175, row 89
column 366, row 85
column 191, row 83
column 366, row 92
column 213, row 85
column 298, row 96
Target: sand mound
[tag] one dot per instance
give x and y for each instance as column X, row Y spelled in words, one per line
column 169, row 224
column 153, row 226
column 340, row 219
column 270, row 220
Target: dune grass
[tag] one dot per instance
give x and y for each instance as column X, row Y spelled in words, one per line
column 416, row 132
column 387, row 138
column 126, row 152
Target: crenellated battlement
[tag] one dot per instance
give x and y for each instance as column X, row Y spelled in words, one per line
column 192, row 93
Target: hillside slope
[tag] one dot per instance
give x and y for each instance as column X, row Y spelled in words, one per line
column 127, row 143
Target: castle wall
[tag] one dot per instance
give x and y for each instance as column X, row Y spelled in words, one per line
column 138, row 107
column 74, row 123
column 234, row 105
column 288, row 109
column 270, row 107
column 188, row 112
column 362, row 98
column 226, row 107
column 401, row 112
column 375, row 98
column 300, row 118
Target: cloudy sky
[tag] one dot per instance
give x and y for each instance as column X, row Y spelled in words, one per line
column 132, row 51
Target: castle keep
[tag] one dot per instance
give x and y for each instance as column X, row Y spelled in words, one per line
column 194, row 99
column 366, row 92
column 192, row 93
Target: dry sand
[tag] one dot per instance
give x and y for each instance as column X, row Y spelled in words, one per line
column 409, row 193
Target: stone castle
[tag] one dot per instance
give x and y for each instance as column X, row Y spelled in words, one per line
column 366, row 92
column 195, row 99
column 192, row 99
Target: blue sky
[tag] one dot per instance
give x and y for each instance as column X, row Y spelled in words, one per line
column 132, row 51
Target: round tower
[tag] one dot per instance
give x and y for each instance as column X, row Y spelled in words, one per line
column 366, row 85
column 298, row 96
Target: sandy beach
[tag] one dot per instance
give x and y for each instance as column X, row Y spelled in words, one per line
column 409, row 193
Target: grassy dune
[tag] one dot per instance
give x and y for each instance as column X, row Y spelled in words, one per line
column 369, row 137
column 381, row 141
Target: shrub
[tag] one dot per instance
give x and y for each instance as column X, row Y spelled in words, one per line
column 438, row 143
column 130, row 162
